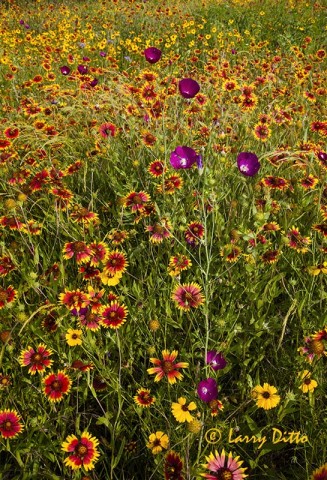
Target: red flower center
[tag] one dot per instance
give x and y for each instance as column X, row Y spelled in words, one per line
column 3, row 296
column 56, row 385
column 81, row 450
column 7, row 425
column 36, row 357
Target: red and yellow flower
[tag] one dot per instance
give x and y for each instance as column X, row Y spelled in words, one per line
column 56, row 385
column 37, row 359
column 167, row 367
column 83, row 451
column 10, row 423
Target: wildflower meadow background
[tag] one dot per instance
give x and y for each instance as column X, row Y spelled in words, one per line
column 163, row 240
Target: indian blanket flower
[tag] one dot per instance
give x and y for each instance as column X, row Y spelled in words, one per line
column 297, row 241
column 56, row 385
column 167, row 367
column 317, row 269
column 184, row 157
column 187, row 296
column 156, row 168
column 230, row 252
column 114, row 316
column 157, row 442
column 320, row 473
column 10, row 423
column 152, row 54
column 143, row 398
column 115, row 262
column 79, row 250
column 136, row 200
column 7, row 295
column 38, row 358
column 216, row 360
column 178, row 263
column 74, row 337
column 321, row 228
column 188, row 87
column 5, row 381
column 173, row 466
column 159, row 231
column 194, row 233
column 313, row 347
column 181, row 411
column 107, row 130
column 83, row 451
column 74, row 299
column 266, row 397
column 275, row 183
column 215, row 406
column 248, row 163
column 223, row 467
column 308, row 384
column 208, row 390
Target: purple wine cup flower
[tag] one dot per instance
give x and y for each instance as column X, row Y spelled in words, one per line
column 82, row 69
column 208, row 390
column 216, row 360
column 188, row 87
column 65, row 70
column 248, row 164
column 152, row 54
column 185, row 157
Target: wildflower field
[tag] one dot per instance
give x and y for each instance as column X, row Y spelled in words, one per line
column 163, row 240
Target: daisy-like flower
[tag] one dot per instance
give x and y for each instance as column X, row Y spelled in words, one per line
column 266, row 396
column 6, row 266
column 81, row 366
column 167, row 367
column 320, row 473
column 181, row 411
column 173, row 466
column 271, row 256
column 178, row 263
column 11, row 222
column 74, row 299
column 194, row 233
column 215, row 406
column 157, row 442
column 159, row 231
column 74, row 337
column 313, row 347
column 230, row 252
column 115, row 262
column 297, row 241
column 308, row 384
column 7, row 295
column 275, row 183
column 107, row 130
column 90, row 320
column 317, row 269
column 83, row 215
column 56, row 385
column 118, row 236
column 98, row 253
column 110, row 278
column 136, row 200
column 188, row 296
column 95, row 297
column 321, row 228
column 5, row 381
column 82, row 451
column 143, row 398
column 79, row 250
column 270, row 227
column 37, row 359
column 261, row 132
column 156, row 168
column 171, row 184
column 309, row 182
column 114, row 316
column 11, row 132
column 10, row 423
column 224, row 467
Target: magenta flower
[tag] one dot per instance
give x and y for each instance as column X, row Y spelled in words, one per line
column 94, row 82
column 82, row 69
column 188, row 87
column 248, row 164
column 102, row 54
column 216, row 360
column 185, row 157
column 322, row 156
column 65, row 70
column 152, row 54
column 208, row 390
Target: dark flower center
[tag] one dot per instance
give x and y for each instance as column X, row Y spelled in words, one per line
column 224, row 474
column 56, row 385
column 81, row 450
column 3, row 296
column 137, row 199
column 307, row 381
column 167, row 366
column 266, row 395
column 79, row 247
column 7, row 425
column 36, row 358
